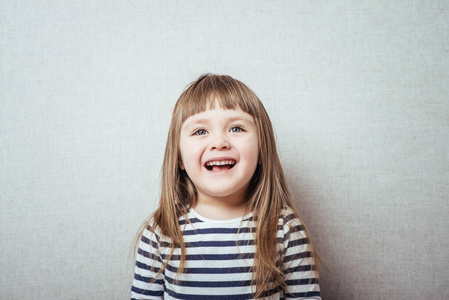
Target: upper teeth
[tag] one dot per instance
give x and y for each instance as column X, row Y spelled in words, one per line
column 221, row 163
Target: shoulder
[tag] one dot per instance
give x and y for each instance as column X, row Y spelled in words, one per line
column 291, row 224
column 150, row 234
column 152, row 231
column 289, row 217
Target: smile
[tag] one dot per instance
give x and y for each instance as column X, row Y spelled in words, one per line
column 222, row 165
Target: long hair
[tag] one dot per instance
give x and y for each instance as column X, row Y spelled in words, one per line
column 267, row 193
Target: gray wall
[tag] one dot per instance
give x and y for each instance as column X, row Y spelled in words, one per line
column 357, row 91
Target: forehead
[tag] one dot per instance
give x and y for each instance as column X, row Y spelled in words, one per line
column 218, row 114
column 194, row 105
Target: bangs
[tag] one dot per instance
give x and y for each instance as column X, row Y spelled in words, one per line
column 210, row 90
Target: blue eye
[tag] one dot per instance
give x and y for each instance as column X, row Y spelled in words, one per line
column 200, row 132
column 236, row 129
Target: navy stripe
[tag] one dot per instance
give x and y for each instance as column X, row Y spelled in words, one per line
column 301, row 281
column 145, row 240
column 297, row 256
column 289, row 217
column 149, row 242
column 220, row 243
column 302, row 295
column 224, row 297
column 294, row 229
column 141, row 265
column 300, row 268
column 209, row 284
column 297, row 228
column 218, row 231
column 150, row 229
column 147, row 292
column 148, row 255
column 208, row 297
column 211, row 270
column 196, row 220
column 148, row 279
column 192, row 221
column 298, row 242
column 230, row 230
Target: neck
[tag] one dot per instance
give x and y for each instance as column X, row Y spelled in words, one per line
column 220, row 208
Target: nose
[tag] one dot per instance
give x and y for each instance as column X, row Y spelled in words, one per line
column 220, row 142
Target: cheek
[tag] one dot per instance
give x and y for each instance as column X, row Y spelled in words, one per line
column 183, row 154
column 181, row 160
column 250, row 150
column 190, row 155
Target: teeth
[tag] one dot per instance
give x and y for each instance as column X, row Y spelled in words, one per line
column 220, row 163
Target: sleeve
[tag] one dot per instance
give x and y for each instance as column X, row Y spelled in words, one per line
column 146, row 284
column 298, row 263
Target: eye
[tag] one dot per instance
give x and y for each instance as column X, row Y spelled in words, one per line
column 200, row 132
column 236, row 129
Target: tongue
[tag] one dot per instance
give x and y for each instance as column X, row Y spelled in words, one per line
column 220, row 168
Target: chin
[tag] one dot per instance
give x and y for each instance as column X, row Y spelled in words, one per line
column 224, row 192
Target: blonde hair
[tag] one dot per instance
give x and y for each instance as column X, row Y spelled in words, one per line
column 267, row 193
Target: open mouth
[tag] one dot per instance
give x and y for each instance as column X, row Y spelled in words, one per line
column 217, row 166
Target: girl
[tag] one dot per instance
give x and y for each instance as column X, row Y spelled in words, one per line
column 226, row 226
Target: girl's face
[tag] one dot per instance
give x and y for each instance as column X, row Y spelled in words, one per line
column 220, row 151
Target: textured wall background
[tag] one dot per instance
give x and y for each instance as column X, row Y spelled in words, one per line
column 357, row 90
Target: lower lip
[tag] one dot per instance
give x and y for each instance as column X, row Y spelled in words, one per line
column 220, row 172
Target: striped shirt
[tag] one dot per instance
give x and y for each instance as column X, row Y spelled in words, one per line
column 219, row 261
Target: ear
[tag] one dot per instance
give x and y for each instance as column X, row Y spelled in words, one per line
column 181, row 165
